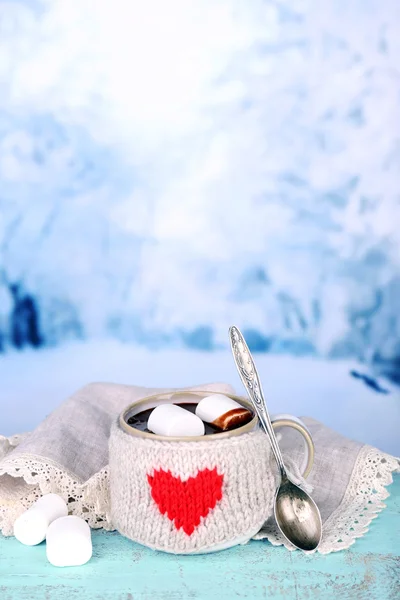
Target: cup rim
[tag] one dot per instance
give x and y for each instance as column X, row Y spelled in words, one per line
column 247, row 428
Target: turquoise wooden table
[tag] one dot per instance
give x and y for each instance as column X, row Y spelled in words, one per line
column 122, row 570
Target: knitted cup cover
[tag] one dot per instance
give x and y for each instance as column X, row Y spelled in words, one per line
column 186, row 497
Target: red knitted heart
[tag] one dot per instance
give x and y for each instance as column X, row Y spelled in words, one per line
column 185, row 502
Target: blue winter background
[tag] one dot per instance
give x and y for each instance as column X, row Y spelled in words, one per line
column 168, row 169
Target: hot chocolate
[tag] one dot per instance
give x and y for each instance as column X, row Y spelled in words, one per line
column 140, row 420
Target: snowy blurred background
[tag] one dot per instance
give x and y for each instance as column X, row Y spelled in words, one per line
column 168, row 169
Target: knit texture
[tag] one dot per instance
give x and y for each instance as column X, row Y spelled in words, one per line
column 189, row 496
column 185, row 502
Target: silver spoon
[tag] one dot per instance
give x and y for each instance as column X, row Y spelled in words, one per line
column 296, row 513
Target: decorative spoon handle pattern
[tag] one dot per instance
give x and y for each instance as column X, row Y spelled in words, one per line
column 251, row 381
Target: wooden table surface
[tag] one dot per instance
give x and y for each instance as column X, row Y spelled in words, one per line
column 123, row 570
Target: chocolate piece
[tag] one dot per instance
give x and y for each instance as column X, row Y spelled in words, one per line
column 232, row 419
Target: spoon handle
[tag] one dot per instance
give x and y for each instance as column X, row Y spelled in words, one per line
column 249, row 376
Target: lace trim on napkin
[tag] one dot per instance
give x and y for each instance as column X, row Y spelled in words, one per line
column 361, row 503
column 24, row 478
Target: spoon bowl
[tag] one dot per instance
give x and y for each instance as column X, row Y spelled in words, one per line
column 296, row 513
column 297, row 516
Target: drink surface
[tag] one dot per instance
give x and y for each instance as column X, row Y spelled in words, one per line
column 140, row 420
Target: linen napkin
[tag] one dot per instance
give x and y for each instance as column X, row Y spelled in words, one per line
column 68, row 454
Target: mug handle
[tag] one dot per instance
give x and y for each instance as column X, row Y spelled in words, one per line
column 283, row 420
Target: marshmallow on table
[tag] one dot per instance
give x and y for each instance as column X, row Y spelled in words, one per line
column 68, row 542
column 173, row 421
column 222, row 412
column 30, row 528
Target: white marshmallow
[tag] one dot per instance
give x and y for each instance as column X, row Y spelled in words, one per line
column 210, row 408
column 174, row 421
column 68, row 542
column 30, row 528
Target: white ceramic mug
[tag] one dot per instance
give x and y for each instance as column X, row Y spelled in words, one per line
column 198, row 494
